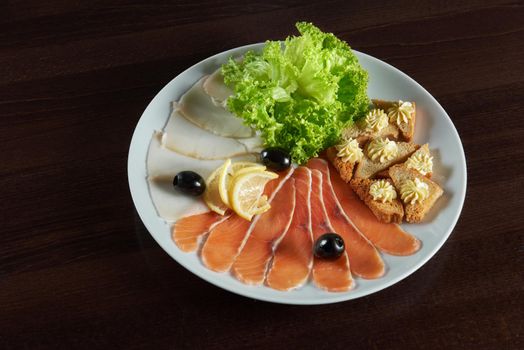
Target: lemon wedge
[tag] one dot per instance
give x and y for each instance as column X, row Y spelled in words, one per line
column 212, row 195
column 247, row 192
column 225, row 177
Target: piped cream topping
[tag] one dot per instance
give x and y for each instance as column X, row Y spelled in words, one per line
column 422, row 162
column 382, row 149
column 383, row 191
column 349, row 150
column 376, row 120
column 415, row 191
column 400, row 112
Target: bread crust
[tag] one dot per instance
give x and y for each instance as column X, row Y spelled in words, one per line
column 345, row 169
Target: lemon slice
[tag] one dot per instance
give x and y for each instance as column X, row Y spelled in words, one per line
column 225, row 177
column 247, row 193
column 235, row 167
column 262, row 205
column 212, row 195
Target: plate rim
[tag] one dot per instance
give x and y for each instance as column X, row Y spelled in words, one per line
column 337, row 297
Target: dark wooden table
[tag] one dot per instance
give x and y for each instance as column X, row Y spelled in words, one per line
column 78, row 269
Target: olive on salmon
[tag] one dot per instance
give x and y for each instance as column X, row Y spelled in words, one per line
column 275, row 158
column 329, row 246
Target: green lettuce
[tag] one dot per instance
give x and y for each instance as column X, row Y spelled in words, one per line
column 301, row 93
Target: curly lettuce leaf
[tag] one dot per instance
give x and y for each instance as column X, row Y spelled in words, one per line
column 299, row 94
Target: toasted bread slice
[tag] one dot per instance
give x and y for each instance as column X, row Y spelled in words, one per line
column 358, row 131
column 368, row 168
column 345, row 169
column 385, row 212
column 384, row 174
column 415, row 212
column 407, row 130
column 423, row 150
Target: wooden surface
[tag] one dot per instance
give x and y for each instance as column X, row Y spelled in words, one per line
column 78, row 269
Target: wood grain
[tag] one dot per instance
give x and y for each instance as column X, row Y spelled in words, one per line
column 79, row 270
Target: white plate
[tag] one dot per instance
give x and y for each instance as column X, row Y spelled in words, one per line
column 385, row 82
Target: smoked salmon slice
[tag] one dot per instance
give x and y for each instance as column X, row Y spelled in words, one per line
column 226, row 239
column 223, row 243
column 251, row 264
column 389, row 238
column 293, row 255
column 330, row 275
column 187, row 231
column 364, row 259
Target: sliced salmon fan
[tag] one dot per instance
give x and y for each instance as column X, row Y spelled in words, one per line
column 251, row 264
column 293, row 255
column 330, row 275
column 225, row 241
column 364, row 259
column 276, row 247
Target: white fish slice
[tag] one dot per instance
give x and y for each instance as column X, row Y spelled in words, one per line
column 253, row 144
column 215, row 87
column 162, row 165
column 186, row 138
column 199, row 108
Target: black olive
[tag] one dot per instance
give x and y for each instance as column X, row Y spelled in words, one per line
column 275, row 158
column 189, row 182
column 329, row 246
